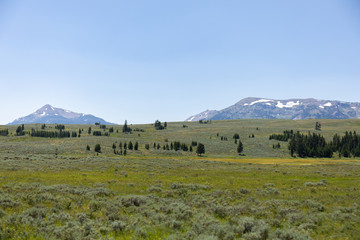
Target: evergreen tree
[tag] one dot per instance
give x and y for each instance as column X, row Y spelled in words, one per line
column 126, row 129
column 19, row 131
column 130, row 147
column 114, row 146
column 318, row 126
column 98, row 148
column 89, row 131
column 200, row 149
column 136, row 146
column 236, row 136
column 240, row 148
column 88, row 148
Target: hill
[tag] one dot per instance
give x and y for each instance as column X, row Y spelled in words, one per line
column 49, row 114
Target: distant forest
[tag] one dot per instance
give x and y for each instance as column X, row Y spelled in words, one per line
column 315, row 145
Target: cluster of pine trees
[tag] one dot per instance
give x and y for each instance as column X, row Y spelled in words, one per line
column 177, row 146
column 348, row 145
column 287, row 134
column 310, row 145
column 4, row 132
column 204, row 121
column 52, row 134
column 159, row 126
column 123, row 147
column 315, row 145
column 20, row 130
column 97, row 133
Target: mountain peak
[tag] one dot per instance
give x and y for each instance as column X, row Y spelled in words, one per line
column 49, row 114
column 46, row 108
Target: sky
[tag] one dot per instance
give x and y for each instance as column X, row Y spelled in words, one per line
column 146, row 60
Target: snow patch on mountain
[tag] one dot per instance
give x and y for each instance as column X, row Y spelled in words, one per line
column 258, row 101
column 287, row 105
column 328, row 104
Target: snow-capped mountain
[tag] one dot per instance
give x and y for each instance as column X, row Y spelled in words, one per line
column 296, row 109
column 49, row 114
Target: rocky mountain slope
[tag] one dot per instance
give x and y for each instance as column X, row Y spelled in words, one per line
column 296, row 109
column 49, row 114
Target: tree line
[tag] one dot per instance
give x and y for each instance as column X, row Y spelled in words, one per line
column 52, row 134
column 315, row 145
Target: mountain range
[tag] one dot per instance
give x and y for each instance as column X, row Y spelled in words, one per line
column 295, row 109
column 49, row 114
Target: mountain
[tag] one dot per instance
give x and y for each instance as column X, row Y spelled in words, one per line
column 296, row 109
column 49, row 114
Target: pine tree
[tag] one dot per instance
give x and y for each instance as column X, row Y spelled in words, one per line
column 130, row 147
column 98, row 148
column 126, row 129
column 318, row 126
column 240, row 147
column 136, row 147
column 200, row 149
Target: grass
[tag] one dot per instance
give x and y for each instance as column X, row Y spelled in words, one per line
column 55, row 189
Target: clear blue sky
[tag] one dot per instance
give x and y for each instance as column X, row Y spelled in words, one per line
column 167, row 60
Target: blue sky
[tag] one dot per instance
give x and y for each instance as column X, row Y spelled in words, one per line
column 167, row 60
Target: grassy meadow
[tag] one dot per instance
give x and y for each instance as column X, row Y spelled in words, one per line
column 53, row 188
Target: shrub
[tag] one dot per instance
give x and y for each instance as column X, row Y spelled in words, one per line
column 2, row 213
column 315, row 184
column 291, row 234
column 118, row 226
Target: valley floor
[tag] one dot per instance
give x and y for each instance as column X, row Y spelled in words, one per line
column 56, row 189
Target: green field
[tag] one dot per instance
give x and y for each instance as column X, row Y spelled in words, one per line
column 56, row 189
